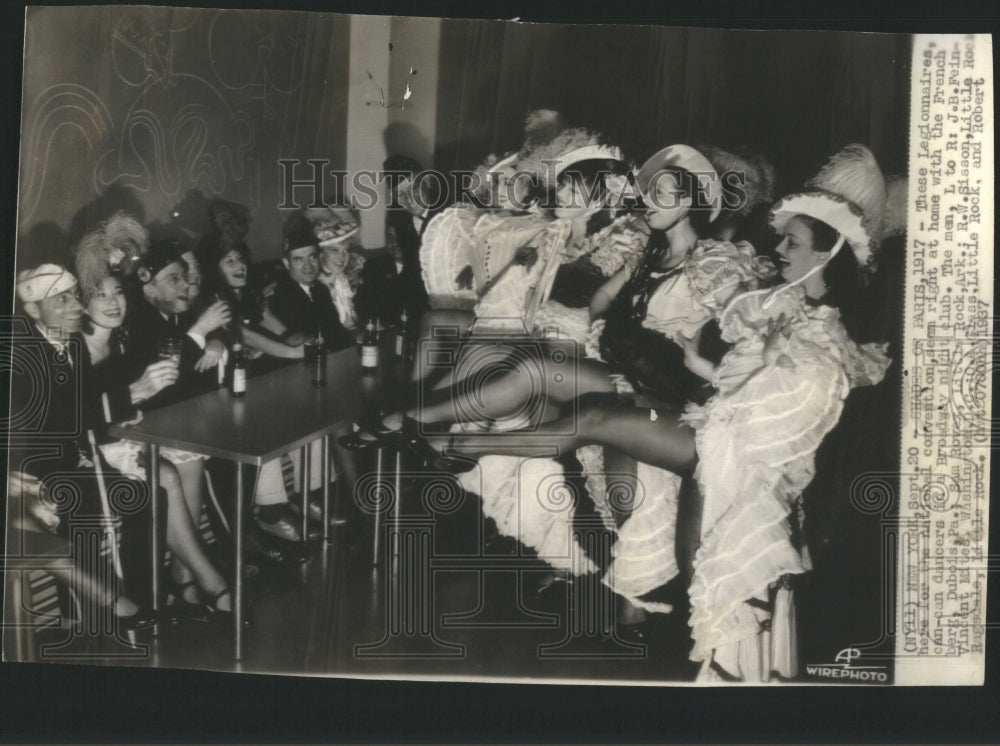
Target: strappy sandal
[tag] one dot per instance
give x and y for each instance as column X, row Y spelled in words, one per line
column 224, row 615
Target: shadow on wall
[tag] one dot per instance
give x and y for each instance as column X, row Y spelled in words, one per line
column 188, row 221
column 116, row 197
column 405, row 138
column 48, row 242
column 43, row 243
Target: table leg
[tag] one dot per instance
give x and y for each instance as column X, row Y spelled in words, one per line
column 397, row 484
column 379, row 462
column 306, row 456
column 325, row 476
column 238, row 564
column 153, row 478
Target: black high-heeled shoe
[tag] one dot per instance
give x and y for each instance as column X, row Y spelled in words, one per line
column 224, row 616
column 179, row 608
column 356, row 441
column 138, row 628
column 436, row 460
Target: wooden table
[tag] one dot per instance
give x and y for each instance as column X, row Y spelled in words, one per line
column 280, row 412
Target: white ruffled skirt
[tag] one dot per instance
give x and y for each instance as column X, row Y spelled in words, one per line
column 129, row 457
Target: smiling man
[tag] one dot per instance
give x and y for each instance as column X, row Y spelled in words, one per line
column 167, row 296
column 49, row 420
column 300, row 301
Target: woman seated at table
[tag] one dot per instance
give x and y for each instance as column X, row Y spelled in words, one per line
column 225, row 260
column 225, row 257
column 114, row 392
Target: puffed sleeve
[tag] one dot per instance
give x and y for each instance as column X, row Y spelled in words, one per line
column 620, row 245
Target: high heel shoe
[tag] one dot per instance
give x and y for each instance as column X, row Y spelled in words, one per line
column 444, row 460
column 179, row 608
column 356, row 441
column 137, row 628
column 377, row 434
column 225, row 615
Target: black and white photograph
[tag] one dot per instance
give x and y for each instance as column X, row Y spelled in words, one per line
column 484, row 350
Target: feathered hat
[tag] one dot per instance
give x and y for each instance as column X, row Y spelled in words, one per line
column 692, row 161
column 333, row 225
column 540, row 127
column 549, row 159
column 756, row 174
column 896, row 206
column 115, row 247
column 849, row 195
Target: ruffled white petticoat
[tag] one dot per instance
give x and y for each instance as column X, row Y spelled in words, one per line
column 129, row 457
column 756, row 441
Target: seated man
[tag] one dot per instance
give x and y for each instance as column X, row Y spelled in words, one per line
column 300, row 301
column 304, row 306
column 49, row 445
column 165, row 314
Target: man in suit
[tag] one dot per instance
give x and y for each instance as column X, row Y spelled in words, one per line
column 164, row 313
column 300, row 301
column 304, row 306
column 413, row 203
column 52, row 408
column 381, row 294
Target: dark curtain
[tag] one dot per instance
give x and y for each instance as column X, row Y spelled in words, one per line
column 796, row 97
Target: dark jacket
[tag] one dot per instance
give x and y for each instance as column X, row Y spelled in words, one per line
column 54, row 402
column 147, row 329
column 301, row 314
column 381, row 293
column 48, row 408
column 411, row 281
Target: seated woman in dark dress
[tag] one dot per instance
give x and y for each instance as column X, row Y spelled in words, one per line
column 115, row 393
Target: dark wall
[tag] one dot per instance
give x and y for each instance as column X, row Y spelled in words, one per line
column 795, row 97
column 156, row 110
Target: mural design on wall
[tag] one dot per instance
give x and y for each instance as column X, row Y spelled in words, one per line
column 180, row 131
column 260, row 57
column 173, row 130
column 275, row 62
column 61, row 106
column 184, row 151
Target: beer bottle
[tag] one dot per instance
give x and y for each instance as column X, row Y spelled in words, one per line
column 317, row 368
column 369, row 348
column 401, row 334
column 238, row 375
